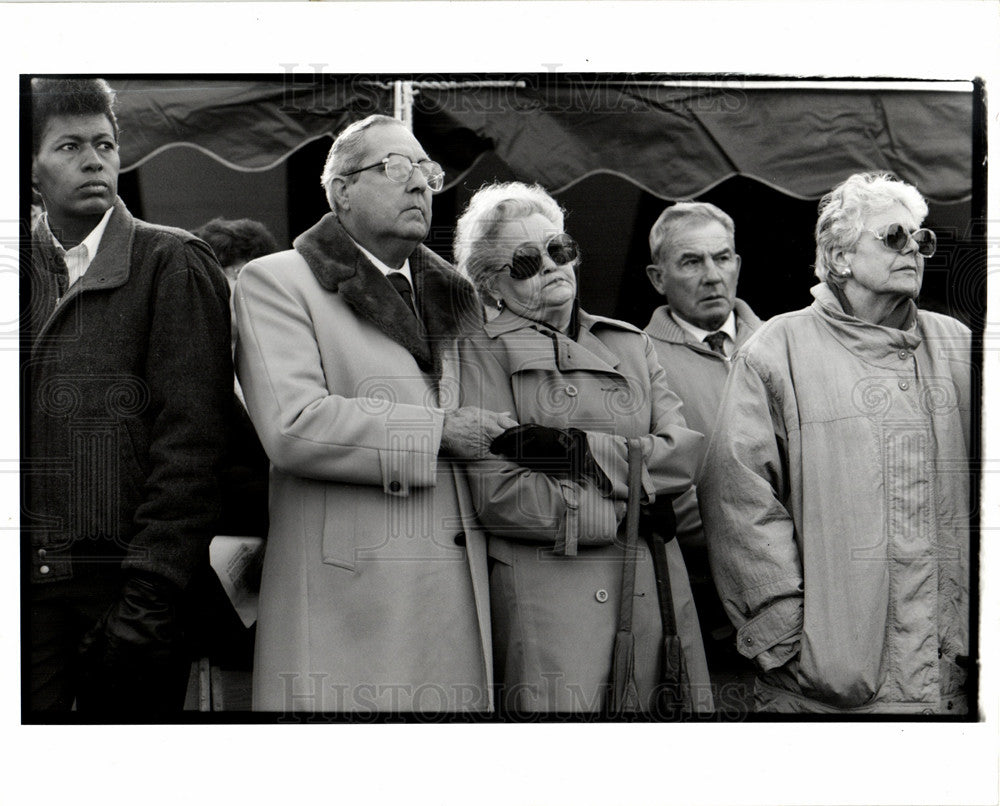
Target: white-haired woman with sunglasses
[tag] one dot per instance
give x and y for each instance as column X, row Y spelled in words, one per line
column 835, row 492
column 553, row 501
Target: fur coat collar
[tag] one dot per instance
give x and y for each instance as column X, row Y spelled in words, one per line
column 446, row 301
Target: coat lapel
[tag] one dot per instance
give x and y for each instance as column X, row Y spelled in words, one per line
column 111, row 265
column 540, row 347
column 446, row 301
column 596, row 356
column 747, row 322
column 109, row 269
column 663, row 327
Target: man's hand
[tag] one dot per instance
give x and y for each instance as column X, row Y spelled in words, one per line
column 131, row 661
column 468, row 431
column 139, row 630
column 658, row 518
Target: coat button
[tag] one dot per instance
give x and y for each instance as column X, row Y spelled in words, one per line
column 903, row 355
column 571, row 390
column 43, row 570
column 748, row 640
column 395, row 486
column 601, row 595
column 41, row 554
column 460, row 539
column 927, row 712
column 904, row 385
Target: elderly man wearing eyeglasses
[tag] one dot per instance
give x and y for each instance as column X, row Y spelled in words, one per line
column 835, row 492
column 374, row 595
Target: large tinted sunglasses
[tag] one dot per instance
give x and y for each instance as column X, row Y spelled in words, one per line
column 526, row 261
column 399, row 169
column 897, row 237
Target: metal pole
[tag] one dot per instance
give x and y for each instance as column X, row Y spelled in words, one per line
column 402, row 102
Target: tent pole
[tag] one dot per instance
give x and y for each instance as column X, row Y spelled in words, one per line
column 402, row 102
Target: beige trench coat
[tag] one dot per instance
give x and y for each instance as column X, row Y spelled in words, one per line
column 555, row 614
column 374, row 594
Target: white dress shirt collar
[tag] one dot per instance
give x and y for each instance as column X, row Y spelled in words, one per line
column 382, row 267
column 698, row 334
column 79, row 258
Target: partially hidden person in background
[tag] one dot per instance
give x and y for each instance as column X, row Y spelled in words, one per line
column 216, row 631
column 235, row 242
column 374, row 595
column 554, row 503
column 696, row 268
column 835, row 493
column 127, row 388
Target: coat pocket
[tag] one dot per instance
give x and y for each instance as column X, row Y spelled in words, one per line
column 338, row 522
column 840, row 674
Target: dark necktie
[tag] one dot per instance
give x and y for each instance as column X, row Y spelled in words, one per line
column 715, row 341
column 402, row 286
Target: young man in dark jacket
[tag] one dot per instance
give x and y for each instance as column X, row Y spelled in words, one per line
column 126, row 389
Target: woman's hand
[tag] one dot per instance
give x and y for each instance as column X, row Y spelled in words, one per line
column 558, row 451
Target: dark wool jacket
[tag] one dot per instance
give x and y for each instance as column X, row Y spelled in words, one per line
column 127, row 388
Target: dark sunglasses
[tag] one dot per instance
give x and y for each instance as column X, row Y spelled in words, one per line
column 897, row 237
column 526, row 261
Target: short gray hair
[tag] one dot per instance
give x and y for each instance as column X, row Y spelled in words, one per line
column 348, row 149
column 477, row 250
column 665, row 229
column 842, row 213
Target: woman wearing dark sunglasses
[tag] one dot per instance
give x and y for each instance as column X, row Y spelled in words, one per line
column 553, row 499
column 835, row 493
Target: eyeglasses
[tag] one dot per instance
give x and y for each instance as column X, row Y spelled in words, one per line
column 526, row 261
column 399, row 169
column 897, row 237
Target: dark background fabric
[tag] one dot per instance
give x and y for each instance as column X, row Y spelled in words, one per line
column 614, row 149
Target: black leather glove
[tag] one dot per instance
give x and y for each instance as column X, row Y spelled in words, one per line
column 537, row 447
column 133, row 644
column 556, row 451
column 658, row 518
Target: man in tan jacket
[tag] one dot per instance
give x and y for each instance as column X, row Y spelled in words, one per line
column 696, row 268
column 374, row 595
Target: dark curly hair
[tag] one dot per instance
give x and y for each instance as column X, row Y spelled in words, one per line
column 51, row 97
column 237, row 240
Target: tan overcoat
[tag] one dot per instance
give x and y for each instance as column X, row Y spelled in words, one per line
column 556, row 545
column 374, row 594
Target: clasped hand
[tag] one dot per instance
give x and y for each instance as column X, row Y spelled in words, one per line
column 556, row 451
column 468, row 431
